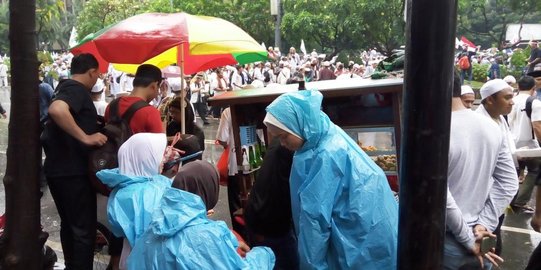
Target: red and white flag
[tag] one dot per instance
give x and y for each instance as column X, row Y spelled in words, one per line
column 466, row 42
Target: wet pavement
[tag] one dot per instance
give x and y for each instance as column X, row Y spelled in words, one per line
column 519, row 239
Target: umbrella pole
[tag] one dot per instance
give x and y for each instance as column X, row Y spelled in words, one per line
column 182, row 86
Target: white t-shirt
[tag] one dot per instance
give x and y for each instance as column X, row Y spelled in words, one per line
column 225, row 134
column 482, row 179
column 520, row 124
column 236, row 81
column 100, row 107
column 504, row 127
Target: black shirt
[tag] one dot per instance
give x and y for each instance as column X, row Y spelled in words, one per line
column 268, row 211
column 66, row 156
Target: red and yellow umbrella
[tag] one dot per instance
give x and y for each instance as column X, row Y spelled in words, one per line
column 194, row 42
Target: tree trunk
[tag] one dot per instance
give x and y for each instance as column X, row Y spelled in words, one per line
column 21, row 247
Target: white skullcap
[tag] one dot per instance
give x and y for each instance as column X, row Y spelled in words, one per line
column 493, row 87
column 175, row 84
column 510, row 79
column 466, row 89
column 98, row 87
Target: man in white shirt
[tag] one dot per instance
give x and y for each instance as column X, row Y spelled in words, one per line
column 97, row 97
column 526, row 130
column 467, row 96
column 284, row 74
column 225, row 137
column 3, row 73
column 237, row 80
column 258, row 72
column 481, row 182
column 219, row 87
column 497, row 101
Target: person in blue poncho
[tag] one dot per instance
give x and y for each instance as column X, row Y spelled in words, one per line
column 180, row 236
column 343, row 209
column 137, row 187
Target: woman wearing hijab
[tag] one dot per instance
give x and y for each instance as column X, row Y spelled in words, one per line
column 137, row 187
column 343, row 209
column 180, row 235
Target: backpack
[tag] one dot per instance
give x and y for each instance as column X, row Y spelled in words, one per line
column 464, row 63
column 117, row 130
column 528, row 109
column 267, row 76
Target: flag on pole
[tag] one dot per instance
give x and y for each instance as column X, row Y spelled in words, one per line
column 73, row 37
column 303, row 48
column 467, row 42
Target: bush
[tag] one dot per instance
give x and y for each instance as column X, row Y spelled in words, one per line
column 480, row 72
column 45, row 57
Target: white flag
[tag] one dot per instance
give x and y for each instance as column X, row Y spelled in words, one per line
column 73, row 37
column 263, row 45
column 303, row 48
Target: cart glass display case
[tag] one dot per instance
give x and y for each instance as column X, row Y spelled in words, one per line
column 378, row 143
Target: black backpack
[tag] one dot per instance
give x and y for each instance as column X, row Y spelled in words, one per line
column 528, row 109
column 117, row 130
column 267, row 76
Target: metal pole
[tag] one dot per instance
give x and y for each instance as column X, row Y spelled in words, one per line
column 180, row 50
column 277, row 32
column 428, row 81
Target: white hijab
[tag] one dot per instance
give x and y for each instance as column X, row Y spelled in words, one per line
column 142, row 154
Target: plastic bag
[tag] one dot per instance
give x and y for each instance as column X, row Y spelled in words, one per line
column 223, row 167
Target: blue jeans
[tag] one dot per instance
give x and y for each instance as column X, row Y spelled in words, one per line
column 457, row 257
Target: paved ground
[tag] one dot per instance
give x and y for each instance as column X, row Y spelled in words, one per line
column 519, row 240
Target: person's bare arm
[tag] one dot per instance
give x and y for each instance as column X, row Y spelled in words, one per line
column 536, row 125
column 60, row 113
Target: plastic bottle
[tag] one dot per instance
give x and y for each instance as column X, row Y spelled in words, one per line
column 258, row 158
column 251, row 156
column 245, row 162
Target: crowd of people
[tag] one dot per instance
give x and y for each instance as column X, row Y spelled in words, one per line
column 511, row 107
column 332, row 206
column 150, row 210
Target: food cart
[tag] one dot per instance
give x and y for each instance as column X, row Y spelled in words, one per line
column 367, row 110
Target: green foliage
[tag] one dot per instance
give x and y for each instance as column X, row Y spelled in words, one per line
column 45, row 57
column 485, row 22
column 519, row 57
column 251, row 16
column 480, row 72
column 98, row 14
column 330, row 25
column 4, row 28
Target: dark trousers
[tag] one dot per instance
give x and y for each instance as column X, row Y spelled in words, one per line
column 284, row 248
column 201, row 109
column 75, row 200
column 535, row 259
column 216, row 111
column 233, row 198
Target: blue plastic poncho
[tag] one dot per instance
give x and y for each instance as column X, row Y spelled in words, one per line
column 132, row 201
column 181, row 236
column 343, row 208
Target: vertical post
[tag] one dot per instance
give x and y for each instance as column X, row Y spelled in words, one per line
column 20, row 247
column 428, row 82
column 277, row 32
column 180, row 56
